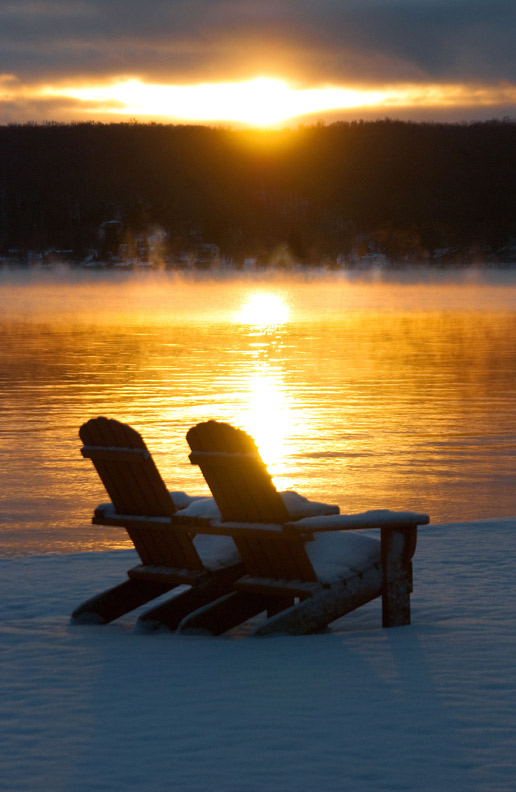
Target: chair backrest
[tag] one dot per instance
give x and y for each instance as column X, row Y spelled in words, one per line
column 126, row 468
column 244, row 492
column 236, row 474
column 136, row 488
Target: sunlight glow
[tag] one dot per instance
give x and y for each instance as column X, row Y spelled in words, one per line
column 264, row 309
column 268, row 417
column 263, row 101
column 268, row 420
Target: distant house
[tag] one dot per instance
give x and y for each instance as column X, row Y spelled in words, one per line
column 109, row 235
column 207, row 255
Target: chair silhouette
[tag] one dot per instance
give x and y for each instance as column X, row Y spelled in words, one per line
column 170, row 551
column 305, row 569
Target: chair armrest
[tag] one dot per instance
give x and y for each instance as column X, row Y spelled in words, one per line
column 379, row 518
column 398, row 544
column 105, row 514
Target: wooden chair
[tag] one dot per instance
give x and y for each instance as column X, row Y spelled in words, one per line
column 304, row 576
column 171, row 555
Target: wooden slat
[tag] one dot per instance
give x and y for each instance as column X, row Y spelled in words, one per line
column 220, row 458
column 141, row 544
column 235, row 473
column 277, row 587
column 376, row 518
column 163, row 551
column 137, row 477
column 134, row 485
column 218, row 528
column 236, row 480
column 247, row 551
column 123, row 473
column 267, row 557
column 225, row 487
column 327, row 604
column 268, row 554
column 136, row 489
column 179, row 523
column 169, row 614
column 149, row 490
column 116, row 601
column 92, row 434
column 276, row 564
column 138, row 499
column 157, row 573
column 175, row 548
column 299, row 560
column 123, row 476
column 149, row 523
column 114, row 454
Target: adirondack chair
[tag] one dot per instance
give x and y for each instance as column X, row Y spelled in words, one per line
column 305, row 570
column 170, row 552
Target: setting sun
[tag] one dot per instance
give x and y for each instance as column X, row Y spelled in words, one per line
column 261, row 102
column 254, row 64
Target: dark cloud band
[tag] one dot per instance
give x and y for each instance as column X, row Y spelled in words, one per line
column 327, row 41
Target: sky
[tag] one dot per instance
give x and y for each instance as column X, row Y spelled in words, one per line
column 256, row 62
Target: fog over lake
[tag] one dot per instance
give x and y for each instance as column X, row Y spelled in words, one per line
column 370, row 390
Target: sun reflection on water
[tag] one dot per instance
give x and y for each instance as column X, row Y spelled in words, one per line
column 264, row 309
column 267, row 412
column 370, row 395
column 269, row 418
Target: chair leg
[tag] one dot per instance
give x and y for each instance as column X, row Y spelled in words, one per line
column 169, row 614
column 227, row 612
column 316, row 612
column 117, row 601
column 398, row 546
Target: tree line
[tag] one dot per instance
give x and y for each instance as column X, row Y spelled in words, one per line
column 412, row 191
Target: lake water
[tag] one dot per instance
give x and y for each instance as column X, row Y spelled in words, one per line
column 370, row 391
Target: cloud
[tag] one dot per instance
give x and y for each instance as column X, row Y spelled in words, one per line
column 329, row 42
column 183, row 40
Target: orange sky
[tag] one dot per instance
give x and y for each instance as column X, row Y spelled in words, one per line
column 258, row 63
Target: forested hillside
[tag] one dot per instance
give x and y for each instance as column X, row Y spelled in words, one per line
column 411, row 191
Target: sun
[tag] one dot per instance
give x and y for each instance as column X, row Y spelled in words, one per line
column 265, row 101
column 264, row 309
column 261, row 102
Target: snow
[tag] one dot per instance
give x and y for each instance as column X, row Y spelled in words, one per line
column 374, row 518
column 335, row 556
column 297, row 506
column 419, row 708
column 216, row 551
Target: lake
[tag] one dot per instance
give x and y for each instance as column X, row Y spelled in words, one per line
column 370, row 390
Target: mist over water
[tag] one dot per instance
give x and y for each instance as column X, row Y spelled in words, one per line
column 371, row 390
column 101, row 296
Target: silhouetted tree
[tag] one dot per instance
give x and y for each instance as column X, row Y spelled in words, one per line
column 318, row 191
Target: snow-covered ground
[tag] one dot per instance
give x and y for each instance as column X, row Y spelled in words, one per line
column 430, row 707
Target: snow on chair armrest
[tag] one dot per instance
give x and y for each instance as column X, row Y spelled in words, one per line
column 377, row 518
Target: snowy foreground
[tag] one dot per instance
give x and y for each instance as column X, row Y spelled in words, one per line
column 425, row 707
